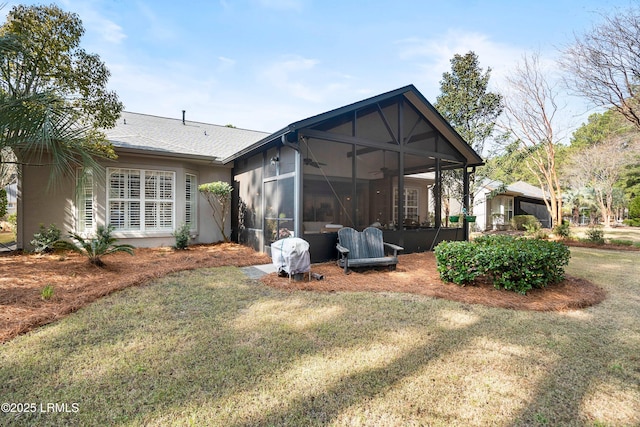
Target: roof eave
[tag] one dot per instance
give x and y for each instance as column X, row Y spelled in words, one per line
column 169, row 154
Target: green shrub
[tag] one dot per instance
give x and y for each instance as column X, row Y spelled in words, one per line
column 96, row 247
column 562, row 230
column 44, row 239
column 523, row 222
column 457, row 262
column 632, row 222
column 182, row 236
column 634, row 208
column 515, row 264
column 595, row 234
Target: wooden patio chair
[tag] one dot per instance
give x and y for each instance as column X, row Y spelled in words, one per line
column 365, row 249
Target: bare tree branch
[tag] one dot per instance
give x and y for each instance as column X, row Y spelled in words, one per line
column 604, row 64
column 530, row 111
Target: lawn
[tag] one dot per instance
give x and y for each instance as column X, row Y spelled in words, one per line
column 622, row 233
column 210, row 347
column 6, row 237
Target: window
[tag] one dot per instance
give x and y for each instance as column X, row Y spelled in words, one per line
column 191, row 199
column 509, row 209
column 411, row 206
column 84, row 201
column 140, row 199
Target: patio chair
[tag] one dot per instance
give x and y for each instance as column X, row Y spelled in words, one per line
column 365, row 249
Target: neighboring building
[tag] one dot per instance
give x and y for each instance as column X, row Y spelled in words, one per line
column 12, row 198
column 345, row 167
column 495, row 204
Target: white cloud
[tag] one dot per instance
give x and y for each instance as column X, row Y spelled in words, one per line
column 157, row 28
column 225, row 64
column 291, row 75
column 94, row 22
column 433, row 55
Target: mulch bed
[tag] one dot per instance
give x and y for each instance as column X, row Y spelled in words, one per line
column 417, row 274
column 76, row 283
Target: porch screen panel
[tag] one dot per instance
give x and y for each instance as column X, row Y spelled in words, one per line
column 411, row 213
column 327, row 186
column 417, row 182
column 279, row 218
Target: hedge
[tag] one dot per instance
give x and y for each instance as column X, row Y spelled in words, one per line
column 516, row 264
column 523, row 222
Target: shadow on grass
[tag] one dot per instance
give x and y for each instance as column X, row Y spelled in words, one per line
column 209, row 348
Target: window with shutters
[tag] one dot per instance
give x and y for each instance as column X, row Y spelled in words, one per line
column 191, row 199
column 411, row 206
column 141, row 200
column 84, row 201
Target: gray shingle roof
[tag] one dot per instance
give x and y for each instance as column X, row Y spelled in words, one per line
column 518, row 188
column 142, row 132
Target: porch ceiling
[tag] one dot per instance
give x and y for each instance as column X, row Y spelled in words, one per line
column 435, row 128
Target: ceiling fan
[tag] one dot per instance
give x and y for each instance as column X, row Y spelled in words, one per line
column 310, row 162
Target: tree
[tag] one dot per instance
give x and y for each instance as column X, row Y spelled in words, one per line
column 466, row 103
column 509, row 166
column 530, row 112
column 218, row 194
column 599, row 168
column 599, row 127
column 604, row 64
column 468, row 106
column 53, row 96
column 634, row 208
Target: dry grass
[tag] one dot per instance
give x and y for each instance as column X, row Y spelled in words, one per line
column 210, row 347
column 76, row 283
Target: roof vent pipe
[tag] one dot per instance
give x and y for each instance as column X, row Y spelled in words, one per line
column 183, row 112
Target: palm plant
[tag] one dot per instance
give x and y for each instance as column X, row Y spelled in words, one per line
column 94, row 248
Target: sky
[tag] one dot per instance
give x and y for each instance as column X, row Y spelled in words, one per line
column 263, row 64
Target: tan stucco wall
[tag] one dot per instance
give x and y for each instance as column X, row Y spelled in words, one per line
column 56, row 205
column 41, row 203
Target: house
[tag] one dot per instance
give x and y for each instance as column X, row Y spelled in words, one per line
column 374, row 162
column 147, row 192
column 495, row 204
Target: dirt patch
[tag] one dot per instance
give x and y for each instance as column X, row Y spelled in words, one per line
column 417, row 274
column 76, row 283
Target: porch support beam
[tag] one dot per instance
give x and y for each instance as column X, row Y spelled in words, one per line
column 387, row 125
column 465, row 201
column 438, row 195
